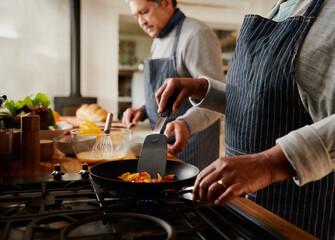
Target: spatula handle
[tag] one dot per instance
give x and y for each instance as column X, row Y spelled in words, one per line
column 168, row 109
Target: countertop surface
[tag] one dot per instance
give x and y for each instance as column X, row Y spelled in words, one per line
column 70, row 164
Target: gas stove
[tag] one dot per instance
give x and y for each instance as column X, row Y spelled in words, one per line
column 72, row 206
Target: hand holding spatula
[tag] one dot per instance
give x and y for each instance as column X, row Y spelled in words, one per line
column 153, row 154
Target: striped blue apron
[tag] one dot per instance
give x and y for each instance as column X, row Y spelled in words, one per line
column 263, row 104
column 203, row 147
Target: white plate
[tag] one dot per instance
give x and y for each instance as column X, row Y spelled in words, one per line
column 62, row 128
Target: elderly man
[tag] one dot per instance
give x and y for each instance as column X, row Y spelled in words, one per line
column 182, row 47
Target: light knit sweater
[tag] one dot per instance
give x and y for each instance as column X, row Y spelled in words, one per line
column 198, row 53
column 310, row 149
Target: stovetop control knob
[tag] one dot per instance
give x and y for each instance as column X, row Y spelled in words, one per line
column 84, row 171
column 57, row 172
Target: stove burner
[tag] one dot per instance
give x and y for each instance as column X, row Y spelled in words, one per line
column 120, row 226
column 48, row 203
column 40, row 207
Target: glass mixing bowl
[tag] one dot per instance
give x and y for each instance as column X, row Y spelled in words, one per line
column 89, row 144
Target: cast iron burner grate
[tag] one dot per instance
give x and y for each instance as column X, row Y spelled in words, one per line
column 120, row 226
column 41, row 207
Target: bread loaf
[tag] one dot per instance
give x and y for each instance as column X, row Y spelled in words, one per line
column 91, row 112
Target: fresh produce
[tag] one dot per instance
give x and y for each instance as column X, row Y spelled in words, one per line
column 145, row 177
column 90, row 128
column 56, row 116
column 37, row 103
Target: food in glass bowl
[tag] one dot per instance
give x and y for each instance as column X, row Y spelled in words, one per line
column 84, row 139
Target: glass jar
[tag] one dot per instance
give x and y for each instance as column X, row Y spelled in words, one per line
column 6, row 136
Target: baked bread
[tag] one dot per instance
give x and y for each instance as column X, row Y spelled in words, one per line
column 92, row 113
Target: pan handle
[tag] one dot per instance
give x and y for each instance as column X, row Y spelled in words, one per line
column 191, row 188
column 186, row 190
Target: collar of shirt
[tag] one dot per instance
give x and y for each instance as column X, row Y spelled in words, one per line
column 173, row 22
column 284, row 10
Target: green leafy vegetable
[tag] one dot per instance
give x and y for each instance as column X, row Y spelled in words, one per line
column 37, row 103
column 39, row 99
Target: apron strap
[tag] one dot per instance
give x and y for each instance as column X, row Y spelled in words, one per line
column 180, row 24
column 313, row 8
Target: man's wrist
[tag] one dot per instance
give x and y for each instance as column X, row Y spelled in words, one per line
column 201, row 90
column 279, row 166
column 188, row 127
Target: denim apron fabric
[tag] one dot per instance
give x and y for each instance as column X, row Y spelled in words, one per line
column 202, row 148
column 263, row 104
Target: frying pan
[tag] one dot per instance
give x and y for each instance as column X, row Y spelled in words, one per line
column 106, row 176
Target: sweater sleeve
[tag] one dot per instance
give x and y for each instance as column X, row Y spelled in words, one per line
column 311, row 150
column 202, row 57
column 215, row 98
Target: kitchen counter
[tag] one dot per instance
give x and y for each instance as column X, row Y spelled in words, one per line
column 70, row 164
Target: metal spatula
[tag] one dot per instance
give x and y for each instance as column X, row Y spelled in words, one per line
column 153, row 156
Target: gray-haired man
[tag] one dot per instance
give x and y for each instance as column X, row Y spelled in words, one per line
column 182, row 47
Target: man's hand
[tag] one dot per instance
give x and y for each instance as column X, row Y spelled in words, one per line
column 229, row 177
column 131, row 117
column 181, row 132
column 185, row 87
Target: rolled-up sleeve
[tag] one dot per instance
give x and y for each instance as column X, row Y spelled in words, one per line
column 311, row 150
column 215, row 98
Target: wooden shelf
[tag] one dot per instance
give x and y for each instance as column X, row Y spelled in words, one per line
column 228, row 44
column 229, row 40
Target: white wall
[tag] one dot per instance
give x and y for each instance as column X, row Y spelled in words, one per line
column 100, row 43
column 35, row 43
column 34, row 48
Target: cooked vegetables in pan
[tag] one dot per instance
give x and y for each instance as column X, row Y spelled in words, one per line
column 145, row 177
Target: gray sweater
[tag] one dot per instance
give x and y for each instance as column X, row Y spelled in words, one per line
column 310, row 149
column 198, row 53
